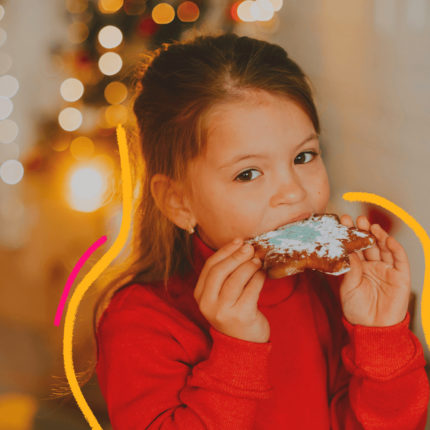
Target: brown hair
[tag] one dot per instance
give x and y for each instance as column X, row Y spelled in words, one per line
column 175, row 88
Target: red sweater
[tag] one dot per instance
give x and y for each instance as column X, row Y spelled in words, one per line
column 162, row 366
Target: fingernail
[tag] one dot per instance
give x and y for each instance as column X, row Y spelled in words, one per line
column 256, row 261
column 246, row 248
column 237, row 241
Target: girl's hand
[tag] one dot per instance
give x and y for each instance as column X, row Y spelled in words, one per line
column 375, row 292
column 227, row 293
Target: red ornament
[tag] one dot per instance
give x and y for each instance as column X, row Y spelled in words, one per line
column 34, row 161
column 377, row 215
column 147, row 27
column 82, row 58
column 232, row 12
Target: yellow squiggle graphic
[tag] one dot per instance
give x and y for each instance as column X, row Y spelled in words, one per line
column 92, row 275
column 422, row 236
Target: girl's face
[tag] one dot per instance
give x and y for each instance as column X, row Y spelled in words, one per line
column 262, row 169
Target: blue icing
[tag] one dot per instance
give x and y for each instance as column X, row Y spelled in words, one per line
column 302, row 233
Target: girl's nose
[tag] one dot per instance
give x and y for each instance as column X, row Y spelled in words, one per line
column 288, row 191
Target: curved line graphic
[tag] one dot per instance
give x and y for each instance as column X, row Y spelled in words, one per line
column 425, row 243
column 92, row 275
column 78, row 266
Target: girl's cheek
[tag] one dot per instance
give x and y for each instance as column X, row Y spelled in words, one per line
column 316, row 182
column 323, row 194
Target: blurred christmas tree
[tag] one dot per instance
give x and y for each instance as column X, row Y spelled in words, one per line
column 108, row 34
column 98, row 60
column 105, row 40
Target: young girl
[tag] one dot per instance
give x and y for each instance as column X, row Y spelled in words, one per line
column 197, row 337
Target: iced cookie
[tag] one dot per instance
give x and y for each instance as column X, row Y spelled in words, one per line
column 319, row 242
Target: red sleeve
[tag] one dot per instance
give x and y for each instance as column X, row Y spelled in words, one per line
column 380, row 381
column 149, row 382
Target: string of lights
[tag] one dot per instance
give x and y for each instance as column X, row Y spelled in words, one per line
column 11, row 169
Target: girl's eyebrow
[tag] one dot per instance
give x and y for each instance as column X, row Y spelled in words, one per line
column 245, row 157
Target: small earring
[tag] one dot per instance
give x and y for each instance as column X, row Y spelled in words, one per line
column 191, row 230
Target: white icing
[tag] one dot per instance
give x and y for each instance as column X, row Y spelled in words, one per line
column 323, row 232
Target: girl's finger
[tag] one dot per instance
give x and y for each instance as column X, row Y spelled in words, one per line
column 347, row 221
column 251, row 293
column 401, row 261
column 235, row 283
column 382, row 236
column 371, row 254
column 222, row 253
column 353, row 277
column 218, row 273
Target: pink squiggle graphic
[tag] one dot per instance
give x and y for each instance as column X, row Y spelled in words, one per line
column 73, row 275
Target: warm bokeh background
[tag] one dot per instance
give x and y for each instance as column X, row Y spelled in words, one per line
column 368, row 62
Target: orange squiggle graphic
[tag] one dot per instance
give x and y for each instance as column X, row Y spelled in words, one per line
column 92, row 275
column 425, row 243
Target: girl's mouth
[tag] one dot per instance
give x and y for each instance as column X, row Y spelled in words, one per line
column 300, row 217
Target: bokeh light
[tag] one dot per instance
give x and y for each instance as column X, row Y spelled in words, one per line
column 115, row 114
column 245, row 11
column 257, row 10
column 87, row 186
column 9, row 86
column 72, row 89
column 78, row 32
column 11, row 172
column 115, row 92
column 76, row 6
column 3, row 36
column 188, row 11
column 163, row 13
column 82, row 148
column 8, row 131
column 110, row 6
column 264, row 10
column 1, row 12
column 277, row 4
column 70, row 119
column 6, row 107
column 5, row 63
column 110, row 36
column 110, row 63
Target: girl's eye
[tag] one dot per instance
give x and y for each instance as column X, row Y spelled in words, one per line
column 246, row 175
column 302, row 160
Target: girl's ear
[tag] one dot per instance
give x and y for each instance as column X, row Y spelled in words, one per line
column 170, row 198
